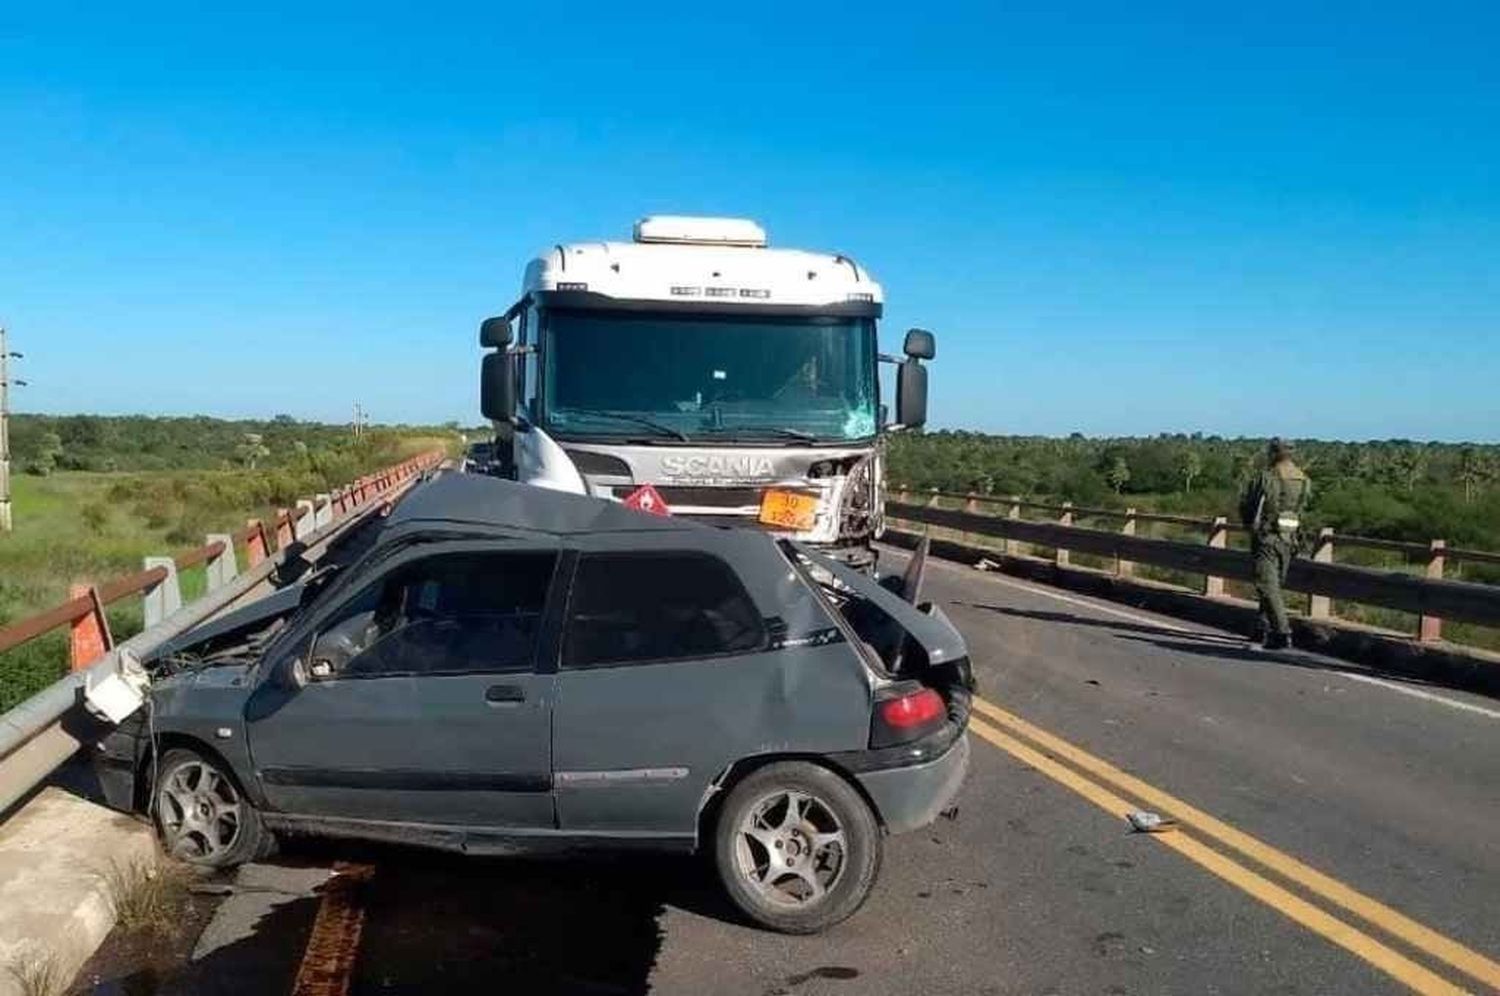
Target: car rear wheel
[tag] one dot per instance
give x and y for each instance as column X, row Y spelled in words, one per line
column 797, row 848
column 202, row 815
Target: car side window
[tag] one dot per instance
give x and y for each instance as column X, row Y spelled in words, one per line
column 630, row 607
column 450, row 613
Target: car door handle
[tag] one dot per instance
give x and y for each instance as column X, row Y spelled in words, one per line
column 501, row 694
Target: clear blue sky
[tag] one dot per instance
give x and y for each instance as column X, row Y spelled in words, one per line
column 1119, row 218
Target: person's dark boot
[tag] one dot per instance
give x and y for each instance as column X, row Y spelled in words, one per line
column 1278, row 641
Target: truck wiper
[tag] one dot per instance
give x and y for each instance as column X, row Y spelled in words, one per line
column 660, row 427
column 785, row 433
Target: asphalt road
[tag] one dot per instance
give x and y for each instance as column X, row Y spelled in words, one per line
column 1371, row 865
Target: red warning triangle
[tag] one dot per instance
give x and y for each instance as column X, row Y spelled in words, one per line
column 647, row 499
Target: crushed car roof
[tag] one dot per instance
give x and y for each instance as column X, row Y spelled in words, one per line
column 476, row 499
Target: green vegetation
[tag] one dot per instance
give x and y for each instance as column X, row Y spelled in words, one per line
column 102, row 493
column 1397, row 490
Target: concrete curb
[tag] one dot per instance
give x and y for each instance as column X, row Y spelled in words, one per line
column 55, row 901
column 1452, row 666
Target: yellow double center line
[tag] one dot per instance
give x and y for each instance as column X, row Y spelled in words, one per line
column 1042, row 750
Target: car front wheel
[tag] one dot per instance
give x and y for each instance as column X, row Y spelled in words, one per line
column 201, row 814
column 797, row 848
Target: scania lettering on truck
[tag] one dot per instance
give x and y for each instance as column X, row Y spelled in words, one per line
column 738, row 381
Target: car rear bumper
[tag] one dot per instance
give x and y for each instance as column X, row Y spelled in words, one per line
column 911, row 797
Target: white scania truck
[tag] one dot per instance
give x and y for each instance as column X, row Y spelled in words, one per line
column 739, row 381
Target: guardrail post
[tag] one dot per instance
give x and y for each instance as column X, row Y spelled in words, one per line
column 933, row 501
column 1066, row 519
column 284, row 534
column 323, row 509
column 1430, row 628
column 304, row 519
column 1321, row 606
column 1126, row 568
column 257, row 543
column 221, row 568
column 971, row 506
column 1012, row 547
column 1218, row 538
column 89, row 638
column 164, row 597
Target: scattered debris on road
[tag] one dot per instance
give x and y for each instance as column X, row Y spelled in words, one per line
column 986, row 564
column 1145, row 821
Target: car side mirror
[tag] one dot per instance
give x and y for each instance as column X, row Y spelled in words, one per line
column 495, row 333
column 911, row 394
column 920, row 344
column 294, row 675
column 497, row 387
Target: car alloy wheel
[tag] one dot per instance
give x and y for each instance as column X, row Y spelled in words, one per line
column 791, row 848
column 200, row 812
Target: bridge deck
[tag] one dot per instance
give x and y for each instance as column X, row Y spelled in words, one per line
column 1386, row 788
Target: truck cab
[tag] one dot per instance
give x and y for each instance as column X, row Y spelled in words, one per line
column 739, row 381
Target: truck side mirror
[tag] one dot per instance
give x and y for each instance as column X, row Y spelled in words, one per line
column 497, row 387
column 911, row 394
column 920, row 344
column 495, row 333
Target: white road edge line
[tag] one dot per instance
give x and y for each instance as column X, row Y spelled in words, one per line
column 1394, row 686
column 1086, row 603
column 1418, row 693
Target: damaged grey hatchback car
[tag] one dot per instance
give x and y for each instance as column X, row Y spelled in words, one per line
column 510, row 670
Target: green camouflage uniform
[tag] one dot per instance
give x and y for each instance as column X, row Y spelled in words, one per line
column 1271, row 508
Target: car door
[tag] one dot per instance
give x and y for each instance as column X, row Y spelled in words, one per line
column 424, row 704
column 671, row 669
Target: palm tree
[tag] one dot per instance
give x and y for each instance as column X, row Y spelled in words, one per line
column 1118, row 474
column 1474, row 471
column 1190, row 466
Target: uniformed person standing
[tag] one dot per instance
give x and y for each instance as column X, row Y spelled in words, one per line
column 1271, row 509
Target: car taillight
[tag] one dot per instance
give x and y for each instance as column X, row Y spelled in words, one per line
column 907, row 713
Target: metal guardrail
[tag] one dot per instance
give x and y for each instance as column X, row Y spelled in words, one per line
column 256, row 539
column 1431, row 598
column 43, row 731
column 1416, row 551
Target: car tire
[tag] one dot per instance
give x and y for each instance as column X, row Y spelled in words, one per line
column 802, row 871
column 202, row 814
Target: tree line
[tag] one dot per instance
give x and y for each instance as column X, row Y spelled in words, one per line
column 41, row 444
column 1391, row 489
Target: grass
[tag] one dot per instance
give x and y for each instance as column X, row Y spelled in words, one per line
column 89, row 527
column 36, row 974
column 146, row 895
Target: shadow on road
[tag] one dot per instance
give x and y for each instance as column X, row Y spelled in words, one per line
column 441, row 923
column 445, row 924
column 1071, row 619
column 1239, row 651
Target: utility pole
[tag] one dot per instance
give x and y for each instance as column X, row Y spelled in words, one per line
column 5, row 382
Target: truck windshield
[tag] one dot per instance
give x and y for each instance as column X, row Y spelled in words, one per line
column 708, row 376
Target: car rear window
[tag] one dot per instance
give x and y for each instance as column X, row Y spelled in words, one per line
column 634, row 607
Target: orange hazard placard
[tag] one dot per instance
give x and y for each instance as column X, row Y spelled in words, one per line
column 788, row 510
column 647, row 499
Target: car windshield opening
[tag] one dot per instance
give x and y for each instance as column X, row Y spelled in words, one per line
column 724, row 377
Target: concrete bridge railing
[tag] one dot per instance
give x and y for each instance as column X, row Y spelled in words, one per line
column 1431, row 597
